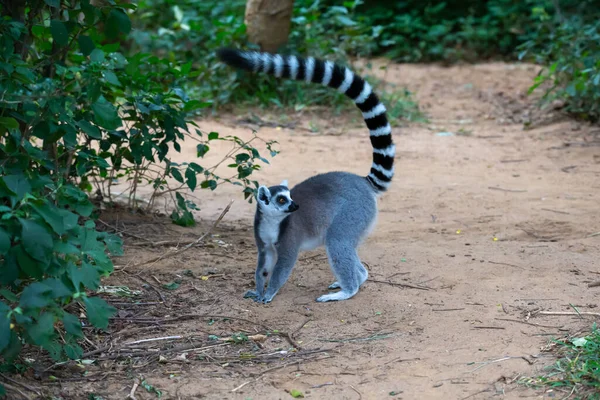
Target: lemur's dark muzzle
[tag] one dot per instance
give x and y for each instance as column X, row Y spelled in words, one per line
column 293, row 207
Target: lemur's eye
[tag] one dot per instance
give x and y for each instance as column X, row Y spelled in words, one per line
column 281, row 200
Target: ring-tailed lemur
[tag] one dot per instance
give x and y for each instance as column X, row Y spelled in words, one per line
column 335, row 209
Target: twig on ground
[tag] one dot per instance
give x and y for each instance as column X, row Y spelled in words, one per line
column 131, row 395
column 447, row 309
column 187, row 247
column 16, row 389
column 489, row 327
column 594, row 284
column 400, row 284
column 528, row 323
column 400, row 359
column 486, row 363
column 508, row 265
column 506, row 190
column 117, row 230
column 36, row 391
column 359, row 393
column 152, row 340
column 162, row 297
column 366, row 339
column 241, row 386
column 567, row 313
column 301, row 326
column 321, row 385
column 555, row 211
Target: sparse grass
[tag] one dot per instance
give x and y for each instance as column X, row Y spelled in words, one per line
column 576, row 372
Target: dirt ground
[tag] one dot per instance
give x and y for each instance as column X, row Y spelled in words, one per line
column 487, row 227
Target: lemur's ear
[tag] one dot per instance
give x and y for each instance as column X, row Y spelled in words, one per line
column 284, row 183
column 264, row 195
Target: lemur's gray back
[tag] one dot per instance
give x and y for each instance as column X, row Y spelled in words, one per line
column 337, row 77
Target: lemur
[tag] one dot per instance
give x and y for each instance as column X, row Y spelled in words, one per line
column 334, row 209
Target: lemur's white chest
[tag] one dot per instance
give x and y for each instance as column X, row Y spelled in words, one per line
column 269, row 230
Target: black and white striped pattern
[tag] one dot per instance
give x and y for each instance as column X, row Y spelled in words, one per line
column 337, row 77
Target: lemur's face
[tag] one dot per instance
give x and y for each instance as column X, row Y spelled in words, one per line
column 276, row 200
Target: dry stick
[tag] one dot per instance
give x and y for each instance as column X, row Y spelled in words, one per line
column 594, row 284
column 401, row 284
column 555, row 211
column 489, row 327
column 508, row 265
column 16, row 389
column 21, row 384
column 528, row 323
column 568, row 313
column 506, row 190
column 152, row 340
column 447, row 309
column 300, row 327
column 359, row 394
column 177, row 252
column 241, row 386
column 131, row 395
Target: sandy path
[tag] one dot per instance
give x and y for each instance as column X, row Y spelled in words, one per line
column 495, row 221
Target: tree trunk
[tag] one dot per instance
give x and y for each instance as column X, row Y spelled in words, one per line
column 268, row 22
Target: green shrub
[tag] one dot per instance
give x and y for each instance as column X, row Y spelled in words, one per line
column 75, row 114
column 570, row 52
column 195, row 29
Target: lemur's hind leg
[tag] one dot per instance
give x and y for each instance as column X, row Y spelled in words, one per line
column 364, row 275
column 346, row 265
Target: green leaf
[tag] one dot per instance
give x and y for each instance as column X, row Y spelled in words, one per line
column 97, row 55
column 177, row 175
column 296, row 393
column 8, row 295
column 98, row 311
column 86, row 275
column 72, row 324
column 36, row 240
column 9, row 123
column 13, row 349
column 18, row 184
column 86, row 44
column 111, row 78
column 4, row 242
column 59, row 289
column 43, row 330
column 114, row 244
column 186, row 218
column 4, row 326
column 171, row 285
column 59, row 32
column 105, row 114
column 31, row 267
column 36, row 295
column 73, row 351
column 190, row 176
column 117, row 22
column 213, row 135
column 51, row 215
column 53, row 3
column 9, row 268
column 91, row 130
column 202, row 149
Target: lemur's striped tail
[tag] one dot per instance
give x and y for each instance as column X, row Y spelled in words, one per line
column 340, row 78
